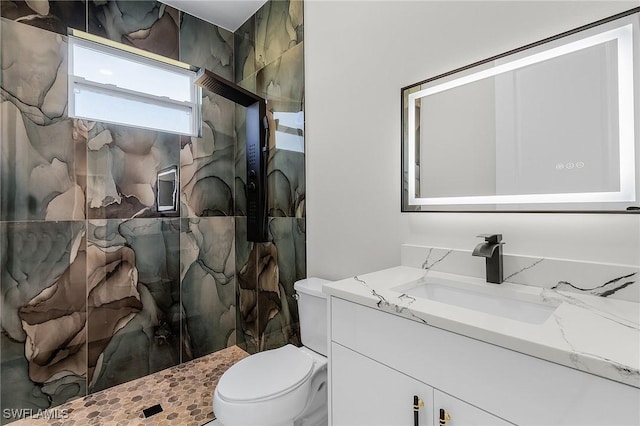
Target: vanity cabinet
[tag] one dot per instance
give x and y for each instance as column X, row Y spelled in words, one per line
column 379, row 361
column 463, row 414
column 367, row 393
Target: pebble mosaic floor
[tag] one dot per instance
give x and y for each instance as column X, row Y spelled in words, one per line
column 185, row 393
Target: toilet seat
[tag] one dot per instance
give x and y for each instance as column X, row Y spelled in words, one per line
column 275, row 372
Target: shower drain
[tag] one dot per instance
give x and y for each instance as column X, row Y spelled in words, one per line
column 152, row 411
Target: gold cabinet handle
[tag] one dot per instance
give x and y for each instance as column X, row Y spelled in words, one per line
column 444, row 417
column 417, row 405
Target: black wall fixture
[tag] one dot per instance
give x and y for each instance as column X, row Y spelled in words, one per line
column 257, row 149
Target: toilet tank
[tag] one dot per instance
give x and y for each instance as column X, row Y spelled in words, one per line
column 312, row 309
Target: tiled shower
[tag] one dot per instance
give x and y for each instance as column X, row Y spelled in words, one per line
column 98, row 287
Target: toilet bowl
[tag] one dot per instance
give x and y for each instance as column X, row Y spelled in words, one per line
column 275, row 387
column 284, row 386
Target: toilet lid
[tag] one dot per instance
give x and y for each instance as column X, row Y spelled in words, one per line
column 265, row 375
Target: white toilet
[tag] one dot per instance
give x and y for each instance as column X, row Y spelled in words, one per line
column 285, row 386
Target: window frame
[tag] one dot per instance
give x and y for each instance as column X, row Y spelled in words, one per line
column 111, row 48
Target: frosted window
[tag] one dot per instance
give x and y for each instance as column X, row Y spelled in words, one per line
column 110, row 85
column 112, row 107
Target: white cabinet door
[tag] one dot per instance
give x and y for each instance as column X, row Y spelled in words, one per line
column 461, row 413
column 365, row 392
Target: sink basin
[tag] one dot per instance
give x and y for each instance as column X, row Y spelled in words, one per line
column 507, row 307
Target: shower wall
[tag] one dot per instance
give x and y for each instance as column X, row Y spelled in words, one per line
column 98, row 287
column 268, row 53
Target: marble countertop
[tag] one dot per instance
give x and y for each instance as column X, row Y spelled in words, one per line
column 593, row 334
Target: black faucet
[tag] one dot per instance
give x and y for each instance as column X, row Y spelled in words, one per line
column 491, row 250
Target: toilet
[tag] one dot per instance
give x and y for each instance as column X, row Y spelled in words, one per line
column 284, row 386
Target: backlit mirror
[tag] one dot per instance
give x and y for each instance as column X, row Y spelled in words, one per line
column 552, row 126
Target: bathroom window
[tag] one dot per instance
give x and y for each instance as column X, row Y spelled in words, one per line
column 113, row 85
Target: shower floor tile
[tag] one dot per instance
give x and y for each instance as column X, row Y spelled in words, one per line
column 185, row 393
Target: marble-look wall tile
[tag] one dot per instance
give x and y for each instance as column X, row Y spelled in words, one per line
column 282, row 81
column 133, row 267
column 37, row 140
column 134, row 309
column 285, row 176
column 244, row 52
column 206, row 45
column 267, row 35
column 279, row 27
column 51, row 15
column 207, row 272
column 288, row 236
column 23, row 393
column 275, row 72
column 145, row 24
column 282, row 84
column 43, row 297
column 34, row 72
column 268, row 314
column 207, row 163
column 43, row 168
column 268, row 295
column 250, row 83
column 43, row 154
column 269, row 61
column 123, row 165
column 207, row 170
column 247, row 334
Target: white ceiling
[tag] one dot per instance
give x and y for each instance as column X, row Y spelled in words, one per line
column 228, row 14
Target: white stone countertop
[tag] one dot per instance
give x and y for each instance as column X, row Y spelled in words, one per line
column 593, row 334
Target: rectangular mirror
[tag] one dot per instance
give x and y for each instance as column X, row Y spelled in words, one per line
column 552, row 126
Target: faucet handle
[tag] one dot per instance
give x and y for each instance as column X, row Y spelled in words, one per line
column 491, row 238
